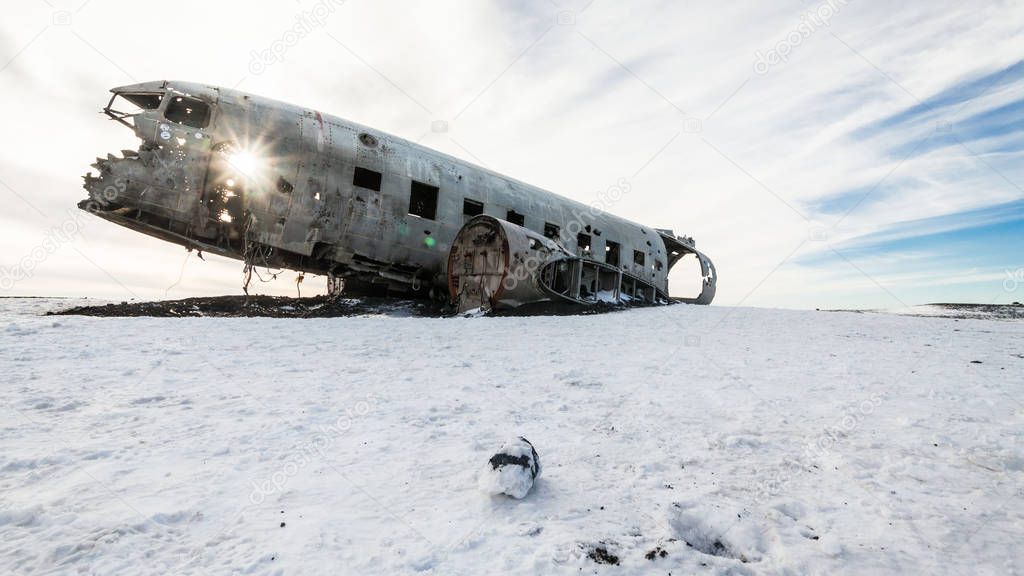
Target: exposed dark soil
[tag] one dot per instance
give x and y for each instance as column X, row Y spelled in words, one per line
column 561, row 309
column 658, row 552
column 987, row 311
column 312, row 307
column 1013, row 311
column 262, row 306
column 601, row 555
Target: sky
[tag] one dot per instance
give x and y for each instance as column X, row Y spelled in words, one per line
column 836, row 154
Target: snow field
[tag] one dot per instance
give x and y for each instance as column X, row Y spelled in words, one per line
column 674, row 440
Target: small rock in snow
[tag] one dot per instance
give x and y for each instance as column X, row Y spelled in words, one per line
column 512, row 470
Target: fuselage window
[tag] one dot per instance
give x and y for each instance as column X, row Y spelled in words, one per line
column 638, row 257
column 611, row 253
column 583, row 241
column 368, row 179
column 472, row 207
column 423, row 200
column 188, row 111
column 551, row 230
column 516, row 218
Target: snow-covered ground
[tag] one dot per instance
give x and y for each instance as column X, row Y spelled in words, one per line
column 673, row 440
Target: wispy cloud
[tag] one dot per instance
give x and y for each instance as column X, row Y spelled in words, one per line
column 832, row 178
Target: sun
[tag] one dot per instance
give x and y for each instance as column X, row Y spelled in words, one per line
column 245, row 162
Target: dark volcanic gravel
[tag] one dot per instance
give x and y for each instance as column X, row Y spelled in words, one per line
column 265, row 306
column 313, row 307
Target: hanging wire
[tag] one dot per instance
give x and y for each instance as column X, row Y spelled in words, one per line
column 254, row 254
column 181, row 273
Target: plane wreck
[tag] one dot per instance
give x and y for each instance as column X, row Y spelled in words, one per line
column 276, row 185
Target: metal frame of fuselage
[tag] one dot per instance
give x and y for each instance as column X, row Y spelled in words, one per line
column 319, row 221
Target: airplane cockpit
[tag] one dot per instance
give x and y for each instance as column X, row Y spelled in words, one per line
column 182, row 168
column 127, row 105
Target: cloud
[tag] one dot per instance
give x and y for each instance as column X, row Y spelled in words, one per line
column 890, row 122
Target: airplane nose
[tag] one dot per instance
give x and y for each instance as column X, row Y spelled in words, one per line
column 112, row 184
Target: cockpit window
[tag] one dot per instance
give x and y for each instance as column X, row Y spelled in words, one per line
column 144, row 101
column 188, row 111
column 124, row 106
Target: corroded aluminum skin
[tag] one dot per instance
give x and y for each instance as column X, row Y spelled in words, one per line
column 306, row 214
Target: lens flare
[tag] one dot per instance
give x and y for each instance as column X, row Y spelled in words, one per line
column 245, row 163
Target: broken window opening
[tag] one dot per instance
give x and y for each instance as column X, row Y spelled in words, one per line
column 516, row 218
column 423, row 200
column 188, row 111
column 557, row 277
column 123, row 107
column 224, row 196
column 472, row 207
column 588, row 283
column 611, row 253
column 551, row 230
column 368, row 179
column 638, row 257
column 144, row 101
column 583, row 241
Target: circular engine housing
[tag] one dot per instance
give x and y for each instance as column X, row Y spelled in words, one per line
column 494, row 262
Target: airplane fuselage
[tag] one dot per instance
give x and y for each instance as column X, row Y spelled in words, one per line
column 278, row 185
